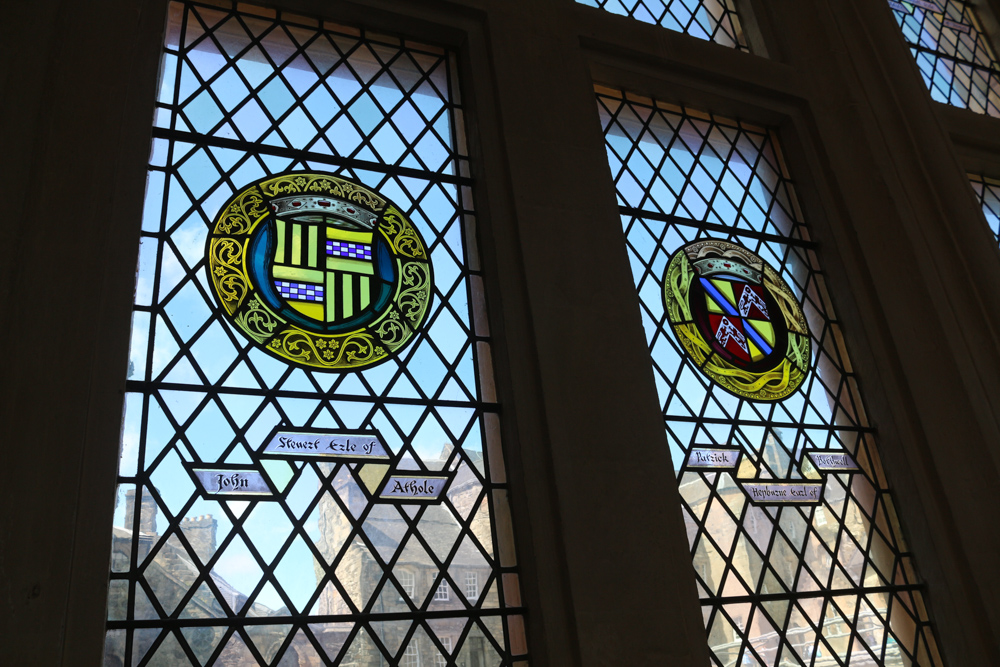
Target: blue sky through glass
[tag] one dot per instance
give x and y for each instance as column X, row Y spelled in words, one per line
column 246, row 95
column 826, row 583
column 711, row 20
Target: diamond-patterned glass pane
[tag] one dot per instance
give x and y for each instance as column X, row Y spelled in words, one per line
column 324, row 569
column 988, row 193
column 712, row 20
column 955, row 58
column 827, row 581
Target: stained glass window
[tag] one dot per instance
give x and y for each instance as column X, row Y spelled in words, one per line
column 712, row 20
column 988, row 193
column 795, row 542
column 311, row 445
column 956, row 60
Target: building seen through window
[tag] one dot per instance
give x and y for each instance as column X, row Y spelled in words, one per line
column 311, row 457
column 793, row 532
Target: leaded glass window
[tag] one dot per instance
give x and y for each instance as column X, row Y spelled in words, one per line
column 796, row 547
column 988, row 194
column 311, row 445
column 712, row 20
column 955, row 58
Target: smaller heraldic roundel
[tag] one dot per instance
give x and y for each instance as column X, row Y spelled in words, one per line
column 319, row 271
column 737, row 319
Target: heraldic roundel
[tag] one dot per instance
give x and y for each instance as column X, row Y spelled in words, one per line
column 319, row 271
column 737, row 319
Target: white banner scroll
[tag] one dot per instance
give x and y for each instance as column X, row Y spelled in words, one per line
column 780, row 493
column 353, row 445
column 231, row 482
column 414, row 487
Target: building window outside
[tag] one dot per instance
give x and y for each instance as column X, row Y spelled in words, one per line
column 472, row 586
column 442, row 592
column 411, row 657
column 407, row 582
column 439, row 659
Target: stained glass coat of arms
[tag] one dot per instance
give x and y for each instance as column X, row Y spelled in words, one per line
column 311, row 447
column 737, row 319
column 797, row 551
column 320, row 271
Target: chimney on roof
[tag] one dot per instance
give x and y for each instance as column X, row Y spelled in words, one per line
column 147, row 515
column 200, row 532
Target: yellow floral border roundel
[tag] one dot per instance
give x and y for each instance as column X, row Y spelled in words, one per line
column 737, row 319
column 319, row 271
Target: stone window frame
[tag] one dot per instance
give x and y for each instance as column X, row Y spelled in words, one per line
column 858, row 127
